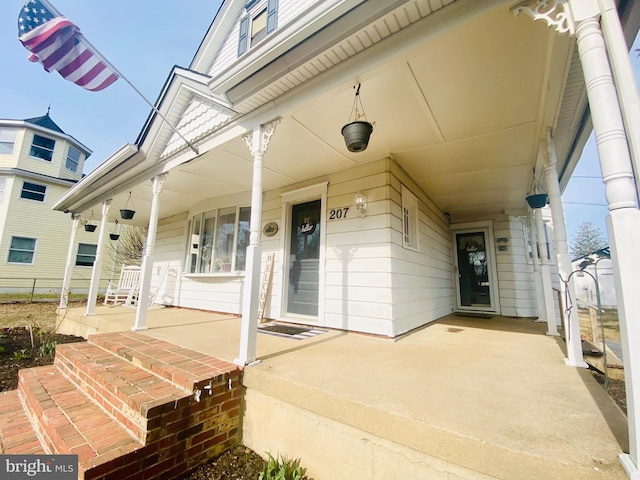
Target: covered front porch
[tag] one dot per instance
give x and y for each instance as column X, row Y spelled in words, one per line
column 464, row 397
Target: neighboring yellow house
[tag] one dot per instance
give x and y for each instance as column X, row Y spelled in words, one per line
column 38, row 164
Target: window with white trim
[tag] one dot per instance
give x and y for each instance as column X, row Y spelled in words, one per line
column 217, row 241
column 33, row 191
column 7, row 140
column 22, row 250
column 73, row 159
column 409, row 219
column 42, row 147
column 548, row 244
column 260, row 19
column 86, row 255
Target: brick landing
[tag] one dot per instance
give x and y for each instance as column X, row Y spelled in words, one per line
column 130, row 406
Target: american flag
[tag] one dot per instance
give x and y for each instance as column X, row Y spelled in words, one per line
column 59, row 45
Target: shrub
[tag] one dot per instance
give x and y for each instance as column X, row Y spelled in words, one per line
column 48, row 348
column 281, row 468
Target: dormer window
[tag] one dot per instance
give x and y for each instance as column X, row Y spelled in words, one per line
column 260, row 19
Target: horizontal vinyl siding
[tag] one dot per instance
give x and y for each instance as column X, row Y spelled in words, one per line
column 423, row 288
column 288, row 10
column 515, row 274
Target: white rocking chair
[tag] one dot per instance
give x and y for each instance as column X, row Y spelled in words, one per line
column 127, row 283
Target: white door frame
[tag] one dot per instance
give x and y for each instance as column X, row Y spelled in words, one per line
column 485, row 227
column 301, row 195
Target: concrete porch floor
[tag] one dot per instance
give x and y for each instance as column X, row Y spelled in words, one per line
column 475, row 398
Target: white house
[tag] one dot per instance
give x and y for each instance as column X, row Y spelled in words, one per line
column 475, row 105
column 592, row 268
column 39, row 162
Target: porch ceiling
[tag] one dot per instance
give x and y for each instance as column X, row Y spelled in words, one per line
column 462, row 110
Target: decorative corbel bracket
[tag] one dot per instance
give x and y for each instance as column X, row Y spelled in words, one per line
column 555, row 12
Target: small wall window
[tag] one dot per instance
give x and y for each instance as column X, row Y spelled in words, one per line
column 409, row 219
column 217, row 241
column 7, row 140
column 33, row 191
column 73, row 159
column 22, row 250
column 260, row 20
column 42, row 147
column 86, row 255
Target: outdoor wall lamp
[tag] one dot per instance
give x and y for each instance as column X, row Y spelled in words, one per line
column 360, row 202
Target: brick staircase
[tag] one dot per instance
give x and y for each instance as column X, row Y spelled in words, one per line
column 130, row 407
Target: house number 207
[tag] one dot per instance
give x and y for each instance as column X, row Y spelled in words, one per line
column 338, row 213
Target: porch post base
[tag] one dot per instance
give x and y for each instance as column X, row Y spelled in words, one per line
column 551, row 333
column 570, row 363
column 139, row 329
column 240, row 363
column 629, row 467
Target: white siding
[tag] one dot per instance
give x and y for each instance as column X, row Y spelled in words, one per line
column 288, row 10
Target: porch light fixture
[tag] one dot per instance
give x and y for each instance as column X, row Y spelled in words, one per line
column 356, row 132
column 127, row 213
column 360, row 202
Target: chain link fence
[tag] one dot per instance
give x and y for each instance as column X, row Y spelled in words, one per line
column 44, row 289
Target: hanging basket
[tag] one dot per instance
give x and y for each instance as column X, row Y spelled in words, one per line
column 127, row 214
column 537, row 200
column 356, row 135
column 90, row 227
column 114, row 236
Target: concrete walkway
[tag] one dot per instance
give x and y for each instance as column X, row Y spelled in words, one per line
column 473, row 398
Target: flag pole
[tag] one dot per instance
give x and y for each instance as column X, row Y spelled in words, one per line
column 117, row 72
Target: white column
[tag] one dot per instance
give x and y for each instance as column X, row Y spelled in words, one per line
column 257, row 141
column 97, row 263
column 547, row 285
column 623, row 221
column 537, row 275
column 147, row 258
column 68, row 269
column 572, row 322
column 624, row 78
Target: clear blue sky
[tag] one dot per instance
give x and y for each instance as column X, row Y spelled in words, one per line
column 144, row 39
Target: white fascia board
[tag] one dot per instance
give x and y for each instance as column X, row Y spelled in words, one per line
column 280, row 41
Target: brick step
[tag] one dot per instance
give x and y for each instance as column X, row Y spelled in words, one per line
column 128, row 405
column 16, row 434
column 134, row 396
column 189, row 370
column 69, row 423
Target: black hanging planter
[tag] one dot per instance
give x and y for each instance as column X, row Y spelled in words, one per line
column 90, row 227
column 537, row 200
column 356, row 135
column 127, row 214
column 114, row 236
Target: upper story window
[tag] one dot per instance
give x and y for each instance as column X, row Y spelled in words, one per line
column 22, row 250
column 409, row 219
column 33, row 191
column 86, row 255
column 73, row 159
column 42, row 147
column 218, row 240
column 7, row 140
column 260, row 20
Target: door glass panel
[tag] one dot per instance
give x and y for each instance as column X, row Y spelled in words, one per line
column 472, row 270
column 304, row 258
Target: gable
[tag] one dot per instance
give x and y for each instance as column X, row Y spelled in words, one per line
column 199, row 118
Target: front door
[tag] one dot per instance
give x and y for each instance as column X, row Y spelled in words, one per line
column 304, row 259
column 474, row 278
